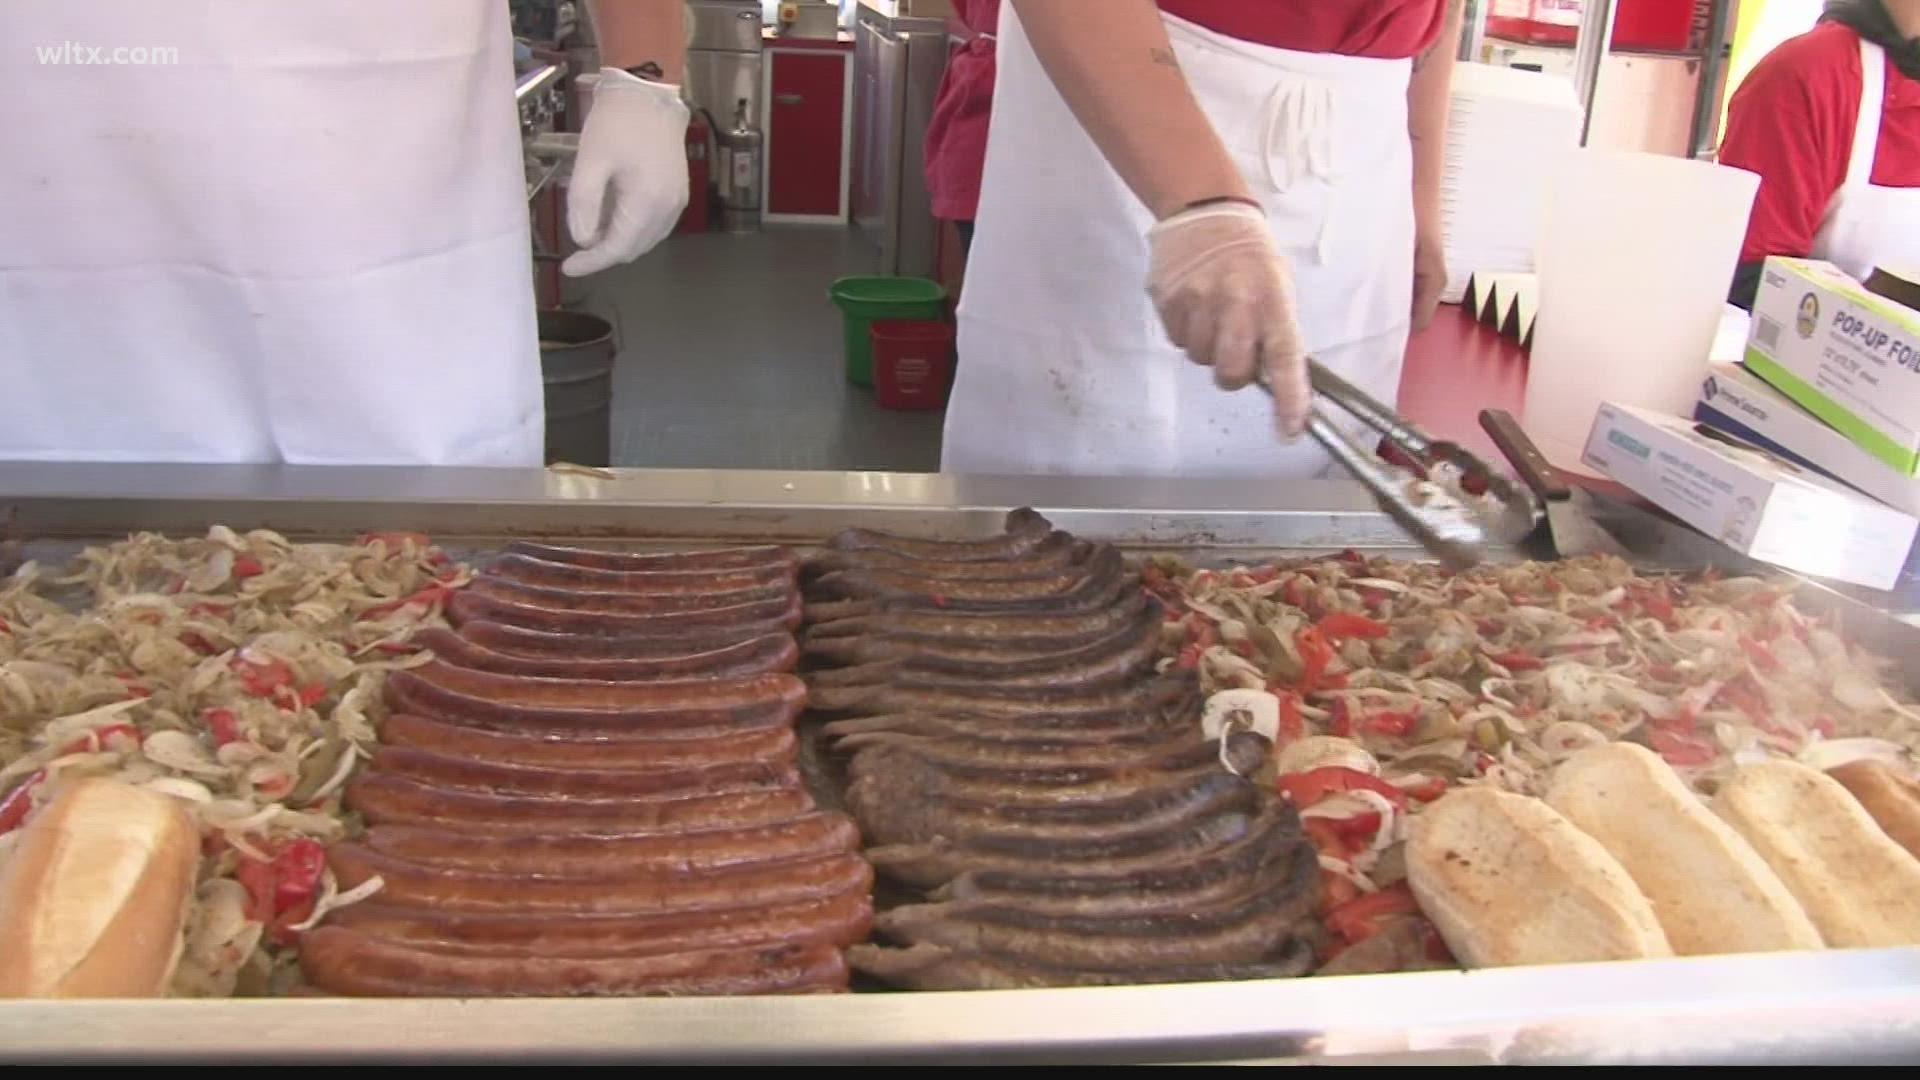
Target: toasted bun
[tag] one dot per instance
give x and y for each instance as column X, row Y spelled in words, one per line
column 1859, row 887
column 1891, row 798
column 1711, row 891
column 95, row 894
column 1509, row 881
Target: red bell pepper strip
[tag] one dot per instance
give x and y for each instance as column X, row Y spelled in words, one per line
column 1346, row 624
column 1340, row 722
column 1426, row 789
column 1681, row 750
column 1293, row 725
column 1360, row 918
column 1395, row 724
column 1315, row 656
column 224, row 725
column 1307, row 788
column 1517, row 661
column 97, row 738
column 246, row 566
column 262, row 679
column 279, row 888
column 19, row 802
column 1758, row 652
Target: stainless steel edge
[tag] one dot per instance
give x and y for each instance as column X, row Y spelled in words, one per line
column 1853, row 1007
column 85, row 500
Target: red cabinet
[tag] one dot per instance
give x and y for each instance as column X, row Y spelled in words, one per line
column 809, row 116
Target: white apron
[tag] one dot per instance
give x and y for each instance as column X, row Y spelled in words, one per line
column 1065, row 367
column 1866, row 225
column 304, row 239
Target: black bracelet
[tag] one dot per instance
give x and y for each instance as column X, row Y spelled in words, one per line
column 649, row 71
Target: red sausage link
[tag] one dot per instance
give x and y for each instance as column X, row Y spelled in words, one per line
column 408, row 693
column 541, row 692
column 602, row 854
column 521, row 641
column 351, row 963
column 773, row 746
column 493, row 778
column 621, row 603
column 547, row 573
column 711, row 559
column 838, row 920
column 718, row 625
column 409, row 884
column 391, row 800
column 769, row 653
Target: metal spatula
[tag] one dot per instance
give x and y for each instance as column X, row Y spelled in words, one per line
column 1570, row 510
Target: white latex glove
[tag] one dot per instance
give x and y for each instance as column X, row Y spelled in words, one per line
column 629, row 182
column 1225, row 293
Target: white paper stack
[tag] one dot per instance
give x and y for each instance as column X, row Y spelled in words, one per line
column 1506, row 128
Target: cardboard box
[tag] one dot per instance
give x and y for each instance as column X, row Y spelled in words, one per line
column 1740, row 403
column 1755, row 503
column 1848, row 356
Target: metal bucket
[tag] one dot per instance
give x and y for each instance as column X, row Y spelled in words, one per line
column 576, row 360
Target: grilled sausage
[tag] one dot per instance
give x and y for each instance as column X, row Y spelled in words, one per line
column 868, row 700
column 551, row 574
column 757, row 656
column 993, row 659
column 409, row 884
column 1055, row 630
column 348, row 962
column 1254, row 929
column 1125, row 727
column 601, row 854
column 1024, row 530
column 391, row 800
column 773, row 746
column 1057, row 551
column 734, row 558
column 707, row 626
column 891, row 811
column 623, row 603
column 1035, row 593
column 526, row 642
column 494, row 778
column 406, row 692
column 937, row 862
column 1131, row 658
column 835, row 920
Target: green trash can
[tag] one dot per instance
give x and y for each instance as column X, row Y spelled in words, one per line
column 863, row 300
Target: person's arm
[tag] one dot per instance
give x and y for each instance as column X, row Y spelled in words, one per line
column 1218, row 279
column 638, row 33
column 1429, row 95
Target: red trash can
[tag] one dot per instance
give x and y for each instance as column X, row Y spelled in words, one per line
column 912, row 362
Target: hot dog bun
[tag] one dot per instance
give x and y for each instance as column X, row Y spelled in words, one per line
column 1859, row 887
column 1890, row 797
column 1710, row 890
column 95, row 894
column 1509, row 881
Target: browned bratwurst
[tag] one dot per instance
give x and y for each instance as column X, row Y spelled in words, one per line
column 755, row 557
column 1131, row 658
column 391, row 800
column 885, row 818
column 939, row 861
column 992, row 658
column 707, row 627
column 867, row 700
column 836, row 920
column 348, row 962
column 547, row 573
column 1051, row 629
column 410, row 884
column 1056, row 552
column 1116, row 727
column 494, row 778
column 935, row 967
column 1039, row 593
column 599, row 854
column 758, row 656
column 623, row 603
column 668, row 708
column 776, row 745
column 1024, row 531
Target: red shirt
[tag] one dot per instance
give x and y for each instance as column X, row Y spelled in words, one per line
column 1792, row 121
column 956, row 146
column 1383, row 29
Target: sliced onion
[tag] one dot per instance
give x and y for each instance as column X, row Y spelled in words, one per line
column 1828, row 754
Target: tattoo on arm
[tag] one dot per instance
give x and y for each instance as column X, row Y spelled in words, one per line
column 1165, row 57
column 1452, row 11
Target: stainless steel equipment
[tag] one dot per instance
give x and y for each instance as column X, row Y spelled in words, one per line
column 725, row 58
column 1843, row 1006
column 809, row 19
column 738, row 171
column 899, row 54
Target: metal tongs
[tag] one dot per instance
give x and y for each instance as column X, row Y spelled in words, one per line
column 1457, row 531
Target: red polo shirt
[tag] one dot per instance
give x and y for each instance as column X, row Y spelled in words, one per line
column 956, row 147
column 1792, row 121
column 1383, row 29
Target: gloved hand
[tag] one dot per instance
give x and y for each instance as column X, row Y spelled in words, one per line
column 1225, row 293
column 629, row 182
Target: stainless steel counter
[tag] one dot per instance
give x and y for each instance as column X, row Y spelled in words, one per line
column 1831, row 1007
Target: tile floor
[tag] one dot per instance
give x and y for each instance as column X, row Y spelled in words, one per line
column 732, row 358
